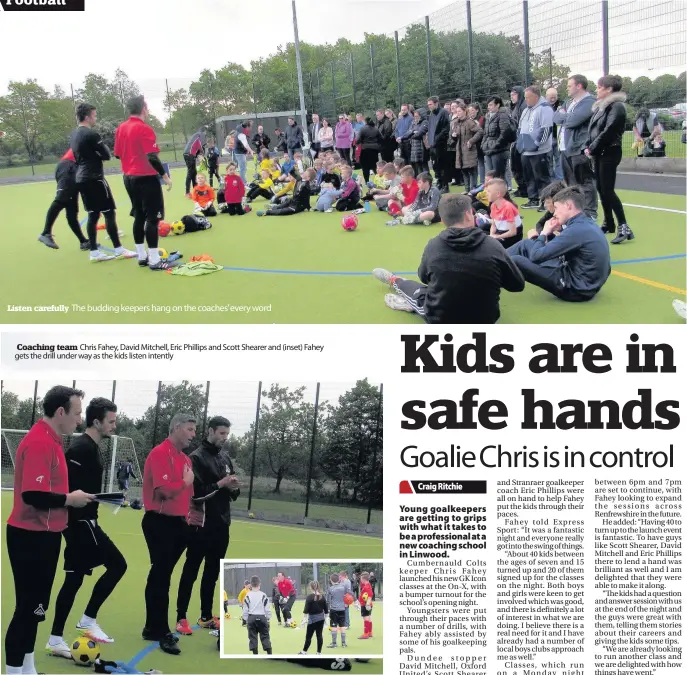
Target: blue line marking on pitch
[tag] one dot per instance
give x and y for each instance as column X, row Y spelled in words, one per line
column 131, row 665
column 643, row 260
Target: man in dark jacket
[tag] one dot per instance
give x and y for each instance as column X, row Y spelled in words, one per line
column 261, row 141
column 405, row 119
column 386, row 132
column 572, row 266
column 573, row 134
column 498, row 135
column 517, row 106
column 215, row 486
column 462, row 272
column 439, row 124
column 294, row 137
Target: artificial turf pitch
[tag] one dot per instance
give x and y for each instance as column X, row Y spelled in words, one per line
column 123, row 614
column 289, row 641
column 304, row 268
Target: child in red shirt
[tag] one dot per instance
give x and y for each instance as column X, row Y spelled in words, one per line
column 407, row 192
column 365, row 600
column 234, row 190
column 505, row 222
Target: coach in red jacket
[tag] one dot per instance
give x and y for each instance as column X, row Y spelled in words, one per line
column 288, row 596
column 167, row 491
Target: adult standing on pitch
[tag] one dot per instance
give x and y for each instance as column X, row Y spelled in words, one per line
column 87, row 545
column 39, row 514
column 89, row 153
column 167, row 490
column 136, row 147
column 288, row 594
column 195, row 146
column 243, row 148
column 215, row 486
column 67, row 198
column 437, row 138
column 348, row 587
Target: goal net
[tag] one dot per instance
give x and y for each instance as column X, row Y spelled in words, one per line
column 114, row 452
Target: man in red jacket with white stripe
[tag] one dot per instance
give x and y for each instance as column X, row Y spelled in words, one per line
column 167, row 491
column 288, row 597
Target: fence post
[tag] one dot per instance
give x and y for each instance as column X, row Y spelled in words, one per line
column 205, row 414
column 398, row 70
column 312, row 97
column 319, row 90
column 171, row 119
column 35, row 396
column 114, row 390
column 255, row 99
column 550, row 68
column 28, row 138
column 355, row 96
column 604, row 37
column 471, row 55
column 157, row 412
column 526, row 41
column 333, row 89
column 121, row 98
column 374, row 452
column 312, row 449
column 255, row 445
column 71, row 86
column 429, row 58
column 374, row 84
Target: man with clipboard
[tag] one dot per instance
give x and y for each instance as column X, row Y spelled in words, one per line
column 87, row 545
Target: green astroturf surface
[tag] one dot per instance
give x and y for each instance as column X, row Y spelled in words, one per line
column 123, row 614
column 289, row 641
column 32, row 274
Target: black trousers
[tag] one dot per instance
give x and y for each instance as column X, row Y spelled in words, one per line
column 414, row 292
column 257, row 627
column 577, row 170
column 87, row 547
column 286, row 608
column 368, row 162
column 256, row 191
column 516, row 168
column 33, row 558
column 213, row 171
column 345, row 154
column 147, row 207
column 498, row 163
column 166, row 538
column 440, row 158
column 606, row 169
column 282, row 211
column 537, row 174
column 347, row 204
column 405, row 151
column 205, row 545
column 234, row 209
column 547, row 275
column 277, row 610
column 314, row 629
column 191, row 172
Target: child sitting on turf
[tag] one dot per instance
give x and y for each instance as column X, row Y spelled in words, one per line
column 547, row 195
column 257, row 614
column 288, row 168
column 203, row 196
column 349, row 197
column 376, row 182
column 319, row 172
column 282, row 191
column 329, row 176
column 399, row 164
column 391, row 180
column 407, row 194
column 505, row 224
column 480, row 199
column 261, row 188
column 231, row 201
column 425, row 209
column 301, row 163
column 299, row 202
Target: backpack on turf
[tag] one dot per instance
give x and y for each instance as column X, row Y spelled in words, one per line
column 195, row 223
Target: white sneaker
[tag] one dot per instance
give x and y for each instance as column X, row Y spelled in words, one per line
column 392, row 223
column 383, row 275
column 329, row 211
column 302, row 653
column 681, row 308
column 126, row 253
column 215, row 633
column 426, row 223
column 94, row 632
column 101, row 257
column 397, row 302
column 60, row 649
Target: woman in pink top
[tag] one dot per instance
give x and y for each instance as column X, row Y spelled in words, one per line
column 344, row 138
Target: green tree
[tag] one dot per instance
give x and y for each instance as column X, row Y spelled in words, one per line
column 640, row 94
column 20, row 114
column 666, row 91
column 17, row 413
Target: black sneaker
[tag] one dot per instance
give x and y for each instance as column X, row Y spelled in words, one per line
column 143, row 263
column 148, row 634
column 541, row 208
column 169, row 645
column 84, row 246
column 531, row 204
column 163, row 265
column 608, row 229
column 48, row 240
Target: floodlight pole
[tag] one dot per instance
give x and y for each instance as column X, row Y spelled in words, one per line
column 301, row 93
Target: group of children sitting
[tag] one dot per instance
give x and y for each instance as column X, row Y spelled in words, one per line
column 288, row 186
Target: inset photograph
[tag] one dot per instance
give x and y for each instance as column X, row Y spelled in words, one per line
column 303, row 609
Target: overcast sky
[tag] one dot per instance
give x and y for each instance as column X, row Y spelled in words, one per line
column 176, row 39
column 235, row 400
